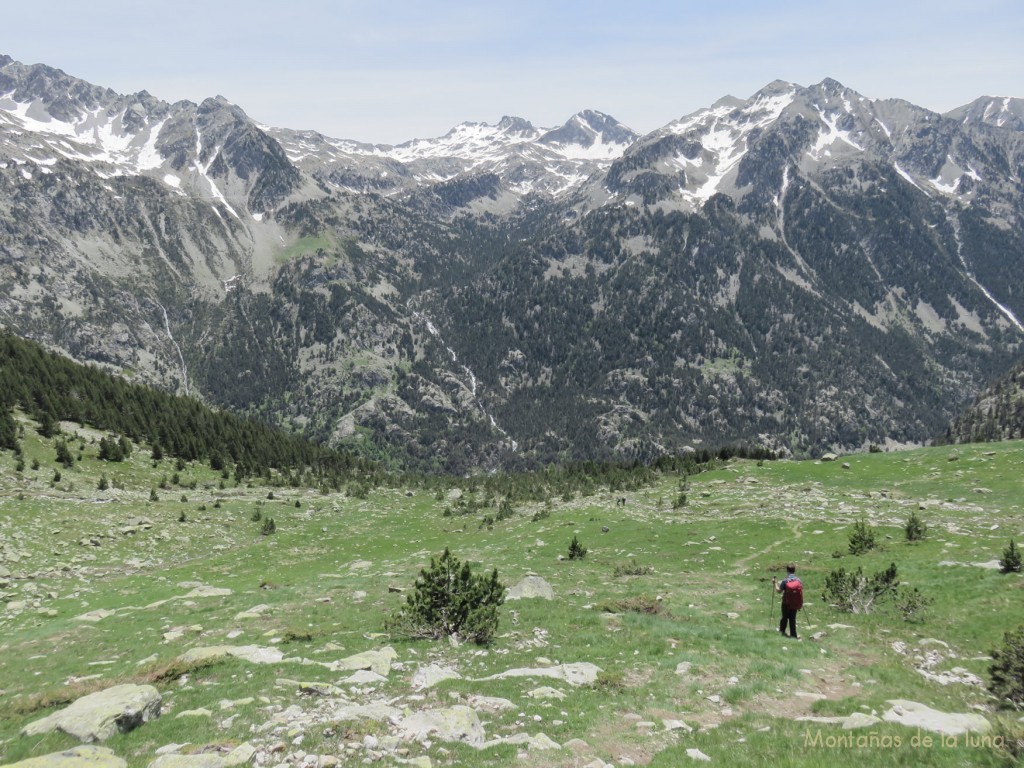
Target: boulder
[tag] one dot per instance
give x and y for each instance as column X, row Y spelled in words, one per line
column 378, row 661
column 860, row 720
column 458, row 723
column 546, row 692
column 100, row 715
column 579, row 673
column 84, row 756
column 490, row 703
column 240, row 755
column 916, row 715
column 94, row 616
column 530, row 586
column 253, row 613
column 432, row 674
column 377, row 710
column 205, row 591
column 252, row 653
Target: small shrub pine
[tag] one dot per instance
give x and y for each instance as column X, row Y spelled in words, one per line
column 1007, row 670
column 450, row 601
column 64, row 454
column 269, row 527
column 912, row 604
column 862, row 538
column 103, row 484
column 576, row 550
column 1010, row 562
column 915, row 527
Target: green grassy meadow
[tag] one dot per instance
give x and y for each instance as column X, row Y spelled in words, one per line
column 702, row 595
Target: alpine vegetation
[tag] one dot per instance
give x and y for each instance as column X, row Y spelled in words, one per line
column 449, row 601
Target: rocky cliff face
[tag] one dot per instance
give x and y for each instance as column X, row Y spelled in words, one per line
column 806, row 268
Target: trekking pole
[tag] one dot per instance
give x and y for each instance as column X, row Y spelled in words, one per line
column 771, row 615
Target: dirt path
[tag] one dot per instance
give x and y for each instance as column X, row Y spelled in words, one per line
column 742, row 563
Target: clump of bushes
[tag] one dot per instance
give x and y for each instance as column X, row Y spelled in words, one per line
column 856, row 593
column 448, row 600
column 638, row 604
column 269, row 527
column 912, row 604
column 632, row 568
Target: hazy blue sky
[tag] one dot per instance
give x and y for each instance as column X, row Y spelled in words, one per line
column 392, row 71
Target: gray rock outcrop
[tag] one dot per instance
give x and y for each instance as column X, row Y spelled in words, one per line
column 916, row 715
column 100, row 715
column 458, row 723
column 530, row 587
column 84, row 756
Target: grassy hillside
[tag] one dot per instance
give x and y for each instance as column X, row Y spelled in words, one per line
column 93, row 596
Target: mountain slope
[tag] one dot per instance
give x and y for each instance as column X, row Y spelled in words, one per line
column 806, row 268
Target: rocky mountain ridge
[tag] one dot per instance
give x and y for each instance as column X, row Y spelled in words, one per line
column 806, row 268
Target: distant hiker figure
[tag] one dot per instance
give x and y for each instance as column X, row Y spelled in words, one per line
column 792, row 592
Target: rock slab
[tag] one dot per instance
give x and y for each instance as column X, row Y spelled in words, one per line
column 531, row 587
column 457, row 723
column 100, row 715
column 85, row 756
column 916, row 715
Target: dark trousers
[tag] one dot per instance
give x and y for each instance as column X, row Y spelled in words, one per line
column 788, row 616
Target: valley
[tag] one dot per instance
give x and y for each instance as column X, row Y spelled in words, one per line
column 658, row 645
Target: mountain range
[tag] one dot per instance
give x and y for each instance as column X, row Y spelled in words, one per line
column 806, row 269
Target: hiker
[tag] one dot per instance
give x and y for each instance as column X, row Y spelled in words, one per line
column 792, row 592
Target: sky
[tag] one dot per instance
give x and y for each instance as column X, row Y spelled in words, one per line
column 388, row 72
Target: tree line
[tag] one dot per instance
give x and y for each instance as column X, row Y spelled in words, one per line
column 51, row 388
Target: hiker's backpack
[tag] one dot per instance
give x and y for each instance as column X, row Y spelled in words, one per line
column 792, row 594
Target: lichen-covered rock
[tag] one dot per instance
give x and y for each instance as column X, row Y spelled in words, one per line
column 578, row 673
column 432, row 674
column 84, row 756
column 457, row 723
column 531, row 587
column 252, row 653
column 916, row 715
column 378, row 661
column 100, row 715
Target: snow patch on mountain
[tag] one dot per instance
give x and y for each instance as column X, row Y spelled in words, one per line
column 96, row 137
column 830, row 134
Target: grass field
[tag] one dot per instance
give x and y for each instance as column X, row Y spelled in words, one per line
column 702, row 595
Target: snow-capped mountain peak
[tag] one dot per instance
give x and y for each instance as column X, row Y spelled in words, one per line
column 997, row 111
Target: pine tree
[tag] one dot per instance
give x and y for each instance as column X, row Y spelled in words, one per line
column 862, row 538
column 1007, row 670
column 449, row 600
column 915, row 527
column 576, row 550
column 1010, row 562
